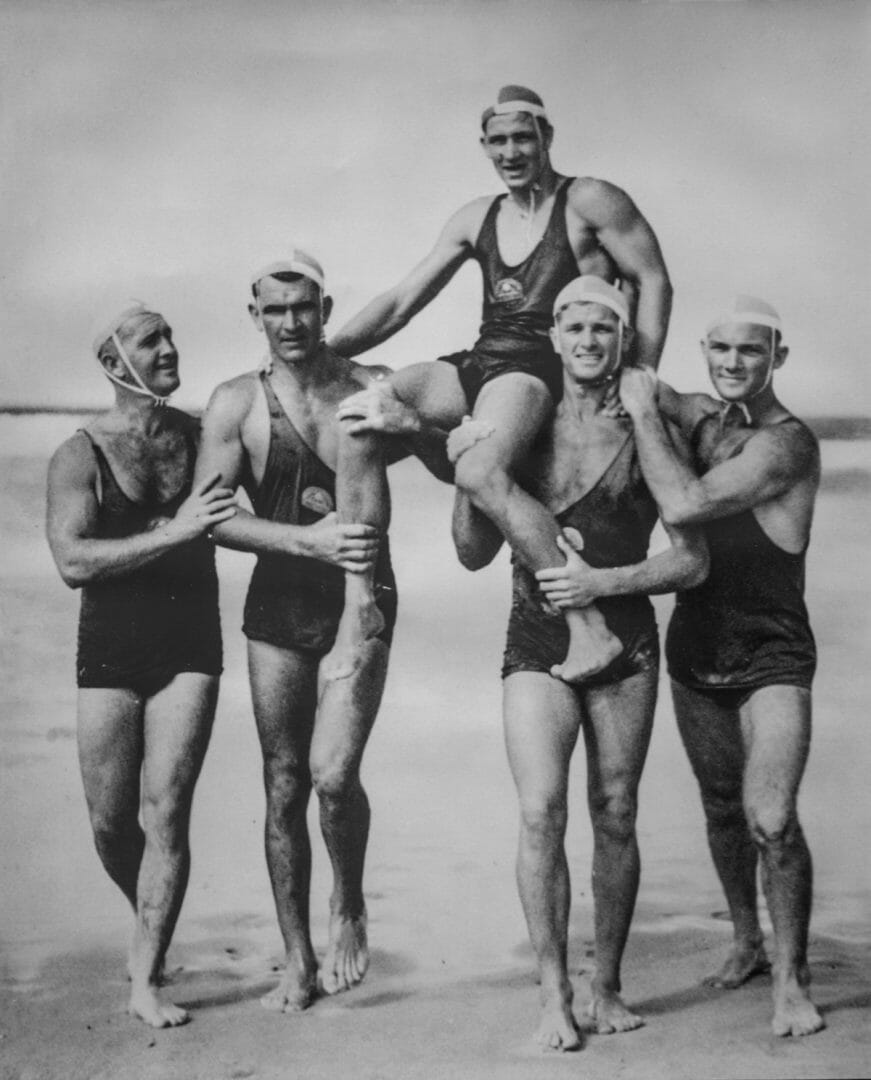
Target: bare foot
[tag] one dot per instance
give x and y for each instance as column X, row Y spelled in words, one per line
column 592, row 646
column 558, row 1029
column 145, row 1003
column 794, row 1012
column 347, row 957
column 360, row 624
column 742, row 963
column 297, row 989
column 610, row 1013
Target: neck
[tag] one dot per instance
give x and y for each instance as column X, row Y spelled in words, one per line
column 536, row 193
column 310, row 371
column 140, row 412
column 583, row 400
column 763, row 407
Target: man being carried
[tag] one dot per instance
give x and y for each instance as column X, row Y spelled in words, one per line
column 584, row 468
column 740, row 649
column 274, row 431
column 529, row 243
column 127, row 529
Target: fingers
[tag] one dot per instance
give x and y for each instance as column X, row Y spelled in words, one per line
column 204, row 485
column 551, row 574
column 359, row 532
column 573, row 537
column 216, row 516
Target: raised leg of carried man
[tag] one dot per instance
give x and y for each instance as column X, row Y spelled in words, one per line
column 511, row 409
column 749, row 787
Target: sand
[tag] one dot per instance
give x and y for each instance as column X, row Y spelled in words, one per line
column 450, row 992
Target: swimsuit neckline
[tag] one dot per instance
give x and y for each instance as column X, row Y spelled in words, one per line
column 513, row 268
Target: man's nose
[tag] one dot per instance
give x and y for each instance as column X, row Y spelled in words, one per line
column 289, row 319
column 166, row 346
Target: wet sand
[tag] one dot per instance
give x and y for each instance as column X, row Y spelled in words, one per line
column 450, row 992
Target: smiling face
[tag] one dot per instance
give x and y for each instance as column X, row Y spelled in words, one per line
column 741, row 359
column 518, row 147
column 587, row 336
column 292, row 316
column 147, row 341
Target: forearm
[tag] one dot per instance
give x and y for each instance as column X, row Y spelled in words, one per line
column 676, row 568
column 672, row 482
column 377, row 322
column 86, row 560
column 247, row 532
column 651, row 319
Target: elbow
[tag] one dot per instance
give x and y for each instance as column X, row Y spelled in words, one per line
column 677, row 512
column 697, row 570
column 73, row 575
column 473, row 559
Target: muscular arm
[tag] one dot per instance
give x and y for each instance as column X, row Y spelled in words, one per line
column 627, row 237
column 476, row 538
column 73, row 511
column 770, row 463
column 684, row 564
column 222, row 450
column 394, row 308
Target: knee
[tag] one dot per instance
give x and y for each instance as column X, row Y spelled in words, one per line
column 288, row 786
column 724, row 808
column 613, row 815
column 165, row 817
column 333, row 780
column 364, row 446
column 543, row 819
column 771, row 824
column 113, row 831
column 481, row 479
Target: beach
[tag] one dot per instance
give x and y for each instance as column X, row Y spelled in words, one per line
column 450, row 992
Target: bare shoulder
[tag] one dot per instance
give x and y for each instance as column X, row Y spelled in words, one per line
column 793, row 439
column 364, row 375
column 232, row 400
column 465, row 224
column 73, row 462
column 598, row 201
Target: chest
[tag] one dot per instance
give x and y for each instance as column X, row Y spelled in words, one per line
column 150, row 469
column 716, row 445
column 574, row 460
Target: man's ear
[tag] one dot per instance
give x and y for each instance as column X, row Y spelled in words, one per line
column 628, row 339
column 254, row 312
column 780, row 355
column 554, row 338
column 326, row 309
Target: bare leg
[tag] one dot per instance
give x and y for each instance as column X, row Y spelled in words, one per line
column 110, row 757
column 776, row 725
column 517, row 406
column 346, row 712
column 363, row 496
column 284, row 693
column 178, row 723
column 542, row 718
column 712, row 738
column 617, row 734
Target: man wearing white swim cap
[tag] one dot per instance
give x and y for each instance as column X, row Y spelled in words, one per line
column 740, row 649
column 127, row 527
column 274, row 431
column 584, row 468
column 529, row 243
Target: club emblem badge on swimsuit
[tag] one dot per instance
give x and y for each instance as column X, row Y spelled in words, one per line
column 318, row 500
column 507, row 291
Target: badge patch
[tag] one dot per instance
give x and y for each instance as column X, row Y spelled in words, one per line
column 318, row 500
column 507, row 291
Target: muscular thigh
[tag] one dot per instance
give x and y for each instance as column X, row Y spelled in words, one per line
column 284, row 696
column 178, row 726
column 110, row 742
column 517, row 406
column 542, row 717
column 434, row 390
column 711, row 734
column 617, row 728
column 776, row 728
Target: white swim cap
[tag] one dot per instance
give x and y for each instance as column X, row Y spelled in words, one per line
column 105, row 328
column 298, row 262
column 747, row 309
column 512, row 99
column 590, row 289
column 111, row 317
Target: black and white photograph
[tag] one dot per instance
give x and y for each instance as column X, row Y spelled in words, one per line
column 435, row 443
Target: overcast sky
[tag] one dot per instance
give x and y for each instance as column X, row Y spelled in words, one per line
column 166, row 147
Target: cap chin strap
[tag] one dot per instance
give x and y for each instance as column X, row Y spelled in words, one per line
column 138, row 386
